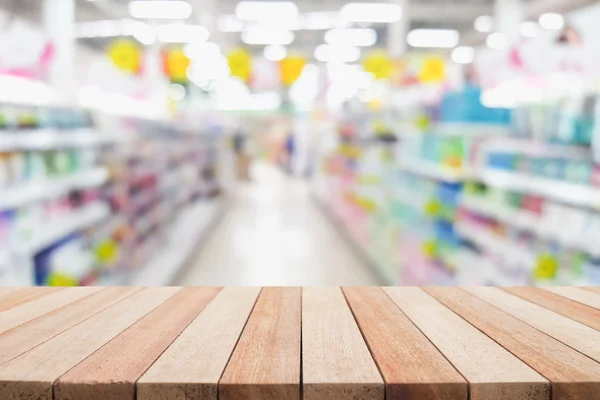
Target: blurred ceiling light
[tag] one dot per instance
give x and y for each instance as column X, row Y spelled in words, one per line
column 195, row 51
column 261, row 10
column 262, row 35
column 275, row 52
column 329, row 53
column 351, row 37
column 321, row 21
column 180, row 33
column 463, row 55
column 529, row 29
column 484, row 24
column 496, row 41
column 371, row 12
column 552, row 21
column 433, row 38
column 160, row 9
column 230, row 23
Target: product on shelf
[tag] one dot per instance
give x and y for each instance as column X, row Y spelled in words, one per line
column 473, row 198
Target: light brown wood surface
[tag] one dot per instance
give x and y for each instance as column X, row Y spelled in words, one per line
column 411, row 366
column 111, row 372
column 27, row 311
column 291, row 343
column 19, row 380
column 24, row 337
column 577, row 294
column 493, row 372
column 192, row 366
column 13, row 298
column 573, row 375
column 569, row 308
column 4, row 290
column 265, row 365
column 595, row 289
column 572, row 333
column 336, row 363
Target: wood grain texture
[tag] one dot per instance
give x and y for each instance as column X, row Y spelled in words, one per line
column 572, row 375
column 18, row 380
column 577, row 294
column 192, row 366
column 569, row 308
column 572, row 333
column 336, row 363
column 413, row 369
column 14, row 298
column 26, row 312
column 492, row 372
column 4, row 290
column 111, row 372
column 24, row 337
column 595, row 289
column 265, row 364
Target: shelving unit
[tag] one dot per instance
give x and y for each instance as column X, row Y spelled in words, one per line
column 40, row 190
column 191, row 226
column 44, row 139
column 81, row 206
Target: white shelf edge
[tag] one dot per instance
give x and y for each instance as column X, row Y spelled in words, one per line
column 44, row 139
column 564, row 192
column 14, row 197
column 65, row 225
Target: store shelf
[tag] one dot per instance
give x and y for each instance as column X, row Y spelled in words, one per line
column 434, row 171
column 470, row 129
column 13, row 197
column 507, row 215
column 191, row 225
column 45, row 139
column 563, row 192
column 529, row 222
column 532, row 148
column 63, row 226
column 495, row 244
column 351, row 238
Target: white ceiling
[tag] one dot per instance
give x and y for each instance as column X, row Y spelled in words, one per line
column 455, row 14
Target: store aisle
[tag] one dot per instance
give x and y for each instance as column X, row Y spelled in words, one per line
column 274, row 234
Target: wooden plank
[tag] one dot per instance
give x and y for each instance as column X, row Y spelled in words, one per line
column 4, row 290
column 265, row 365
column 572, row 375
column 569, row 308
column 192, row 366
column 572, row 333
column 492, row 372
column 577, row 294
column 31, row 375
column 336, row 363
column 595, row 289
column 26, row 312
column 111, row 372
column 411, row 366
column 24, row 337
column 24, row 295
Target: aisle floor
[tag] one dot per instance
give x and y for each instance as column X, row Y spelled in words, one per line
column 274, row 234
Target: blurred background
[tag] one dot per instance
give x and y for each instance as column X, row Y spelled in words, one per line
column 205, row 142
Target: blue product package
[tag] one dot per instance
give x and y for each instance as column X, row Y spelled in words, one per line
column 42, row 260
column 449, row 193
column 466, row 107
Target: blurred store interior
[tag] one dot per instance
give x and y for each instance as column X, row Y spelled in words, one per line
column 205, row 142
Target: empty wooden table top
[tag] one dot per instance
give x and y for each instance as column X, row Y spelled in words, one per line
column 300, row 343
